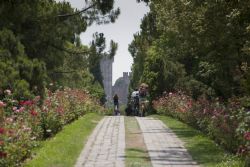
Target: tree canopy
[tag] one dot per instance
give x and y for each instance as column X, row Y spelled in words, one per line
column 200, row 47
column 40, row 44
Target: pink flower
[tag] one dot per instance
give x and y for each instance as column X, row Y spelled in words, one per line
column 10, row 132
column 3, row 154
column 33, row 113
column 190, row 104
column 2, row 104
column 247, row 135
column 49, row 93
column 2, row 130
column 14, row 108
column 9, row 120
column 37, row 98
column 26, row 103
column 60, row 109
column 182, row 110
column 21, row 109
column 242, row 150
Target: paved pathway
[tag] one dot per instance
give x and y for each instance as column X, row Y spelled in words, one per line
column 165, row 149
column 106, row 145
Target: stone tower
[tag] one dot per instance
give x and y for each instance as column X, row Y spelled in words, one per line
column 121, row 87
column 106, row 69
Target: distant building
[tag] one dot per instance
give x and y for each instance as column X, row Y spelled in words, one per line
column 106, row 69
column 121, row 87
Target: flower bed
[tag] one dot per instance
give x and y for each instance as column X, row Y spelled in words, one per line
column 24, row 123
column 228, row 124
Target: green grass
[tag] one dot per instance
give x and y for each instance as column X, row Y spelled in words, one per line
column 136, row 152
column 137, row 158
column 202, row 149
column 64, row 149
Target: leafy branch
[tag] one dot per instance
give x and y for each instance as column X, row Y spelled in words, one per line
column 78, row 12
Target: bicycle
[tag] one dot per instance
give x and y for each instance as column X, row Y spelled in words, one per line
column 135, row 106
column 143, row 108
column 116, row 110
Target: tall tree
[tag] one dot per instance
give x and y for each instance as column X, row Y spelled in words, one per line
column 46, row 33
column 206, row 40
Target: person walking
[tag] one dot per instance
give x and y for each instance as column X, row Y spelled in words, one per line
column 116, row 104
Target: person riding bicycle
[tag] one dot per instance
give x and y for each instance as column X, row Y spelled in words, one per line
column 135, row 102
column 143, row 99
column 116, row 104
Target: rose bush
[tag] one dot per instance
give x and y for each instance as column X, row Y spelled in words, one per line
column 24, row 123
column 227, row 123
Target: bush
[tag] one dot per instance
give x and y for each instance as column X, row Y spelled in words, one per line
column 25, row 122
column 227, row 123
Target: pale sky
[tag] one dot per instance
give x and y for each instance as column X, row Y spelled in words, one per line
column 121, row 32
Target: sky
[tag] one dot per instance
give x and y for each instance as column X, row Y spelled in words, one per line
column 127, row 24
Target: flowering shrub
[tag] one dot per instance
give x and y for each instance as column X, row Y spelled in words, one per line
column 228, row 124
column 24, row 123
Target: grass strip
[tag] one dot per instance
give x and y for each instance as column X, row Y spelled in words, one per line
column 202, row 149
column 136, row 151
column 64, row 149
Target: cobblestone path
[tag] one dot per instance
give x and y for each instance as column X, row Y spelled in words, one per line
column 106, row 145
column 165, row 149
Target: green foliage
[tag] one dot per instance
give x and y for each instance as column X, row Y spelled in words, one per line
column 195, row 88
column 227, row 124
column 40, row 47
column 40, row 44
column 202, row 49
column 97, row 53
column 206, row 41
column 7, row 74
column 160, row 73
column 26, row 122
column 22, row 89
column 17, row 71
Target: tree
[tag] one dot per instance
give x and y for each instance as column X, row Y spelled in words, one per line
column 41, row 38
column 206, row 40
column 17, row 69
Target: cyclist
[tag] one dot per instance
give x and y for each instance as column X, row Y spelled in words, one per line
column 135, row 101
column 143, row 99
column 116, row 104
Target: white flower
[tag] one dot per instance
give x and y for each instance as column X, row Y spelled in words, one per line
column 33, row 138
column 7, row 91
column 48, row 130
